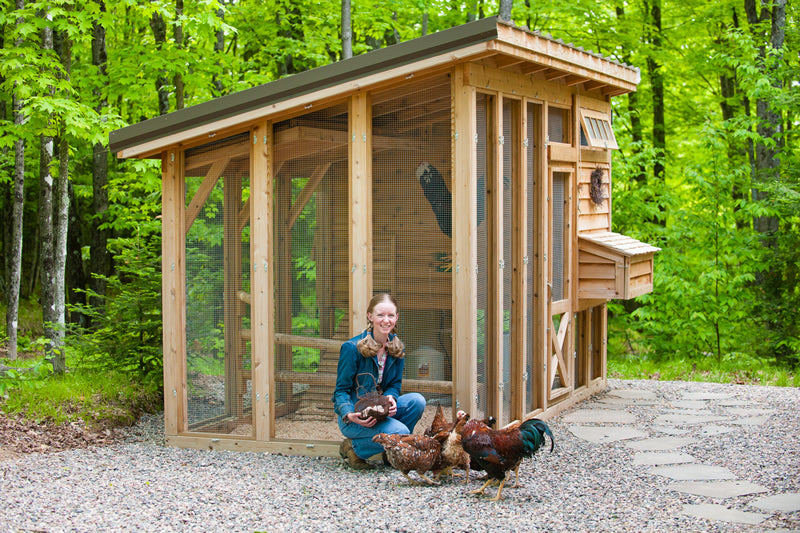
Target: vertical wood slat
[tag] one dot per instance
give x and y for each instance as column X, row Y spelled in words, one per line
column 541, row 341
column 173, row 291
column 465, row 243
column 262, row 283
column 360, row 210
column 494, row 255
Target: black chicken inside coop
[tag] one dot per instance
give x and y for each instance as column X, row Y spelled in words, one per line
column 440, row 198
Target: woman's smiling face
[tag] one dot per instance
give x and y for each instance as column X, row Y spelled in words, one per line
column 383, row 318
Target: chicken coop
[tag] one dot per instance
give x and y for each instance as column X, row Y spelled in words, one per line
column 466, row 172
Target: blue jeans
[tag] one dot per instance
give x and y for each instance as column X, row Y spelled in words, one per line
column 409, row 410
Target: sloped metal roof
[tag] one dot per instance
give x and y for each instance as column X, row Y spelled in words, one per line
column 314, row 80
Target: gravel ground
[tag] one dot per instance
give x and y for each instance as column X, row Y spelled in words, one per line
column 140, row 485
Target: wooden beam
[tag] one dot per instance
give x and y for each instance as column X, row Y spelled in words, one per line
column 203, row 192
column 465, row 243
column 305, row 194
column 262, row 282
column 360, row 210
column 173, row 272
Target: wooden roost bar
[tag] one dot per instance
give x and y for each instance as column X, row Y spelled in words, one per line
column 468, row 172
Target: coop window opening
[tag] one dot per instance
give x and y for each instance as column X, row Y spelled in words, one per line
column 596, row 130
column 559, row 124
column 560, row 239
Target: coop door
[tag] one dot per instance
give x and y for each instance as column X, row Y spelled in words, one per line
column 217, row 246
column 561, row 327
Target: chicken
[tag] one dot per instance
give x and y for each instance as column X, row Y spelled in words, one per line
column 453, row 454
column 411, row 452
column 439, row 423
column 375, row 405
column 500, row 451
column 440, row 198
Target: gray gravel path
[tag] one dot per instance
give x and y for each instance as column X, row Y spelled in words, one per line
column 140, row 485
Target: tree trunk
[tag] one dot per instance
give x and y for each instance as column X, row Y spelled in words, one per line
column 347, row 30
column 159, row 27
column 768, row 120
column 177, row 80
column 656, row 76
column 100, row 260
column 504, row 12
column 637, row 131
column 15, row 274
column 219, row 48
column 58, row 356
column 76, row 275
column 46, row 240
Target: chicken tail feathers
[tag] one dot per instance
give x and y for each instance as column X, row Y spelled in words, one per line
column 533, row 433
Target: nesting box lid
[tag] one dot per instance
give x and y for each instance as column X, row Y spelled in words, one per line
column 619, row 244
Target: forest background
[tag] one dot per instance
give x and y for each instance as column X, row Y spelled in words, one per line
column 708, row 168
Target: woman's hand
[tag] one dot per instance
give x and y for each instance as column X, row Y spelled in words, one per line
column 355, row 418
column 393, row 407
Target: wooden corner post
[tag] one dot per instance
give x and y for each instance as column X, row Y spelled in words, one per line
column 173, row 272
column 465, row 244
column 360, row 210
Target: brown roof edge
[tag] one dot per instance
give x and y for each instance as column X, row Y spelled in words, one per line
column 304, row 82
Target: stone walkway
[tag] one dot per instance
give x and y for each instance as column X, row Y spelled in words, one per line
column 658, row 432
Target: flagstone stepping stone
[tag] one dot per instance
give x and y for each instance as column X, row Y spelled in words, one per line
column 732, row 403
column 660, row 443
column 693, row 472
column 750, row 421
column 633, row 394
column 705, row 396
column 688, row 418
column 786, row 503
column 655, row 458
column 717, row 489
column 713, row 429
column 670, row 430
column 689, row 404
column 604, row 434
column 721, row 513
column 601, row 416
column 625, row 402
column 749, row 411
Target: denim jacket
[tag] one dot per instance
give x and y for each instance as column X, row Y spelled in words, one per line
column 357, row 375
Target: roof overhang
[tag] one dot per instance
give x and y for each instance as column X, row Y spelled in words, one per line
column 480, row 39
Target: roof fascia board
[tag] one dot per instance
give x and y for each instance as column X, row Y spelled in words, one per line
column 308, row 82
column 556, row 55
column 154, row 147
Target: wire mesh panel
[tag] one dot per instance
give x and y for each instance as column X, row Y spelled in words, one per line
column 412, row 217
column 558, row 192
column 219, row 391
column 532, row 112
column 311, row 277
column 482, row 106
column 510, row 144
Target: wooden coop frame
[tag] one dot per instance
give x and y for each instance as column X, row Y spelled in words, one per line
column 519, row 269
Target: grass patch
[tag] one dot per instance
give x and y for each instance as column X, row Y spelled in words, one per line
column 100, row 399
column 734, row 368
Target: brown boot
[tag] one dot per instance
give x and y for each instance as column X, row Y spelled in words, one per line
column 352, row 460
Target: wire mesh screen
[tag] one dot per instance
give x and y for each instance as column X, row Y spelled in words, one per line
column 558, row 234
column 532, row 226
column 558, row 125
column 510, row 145
column 311, row 277
column 483, row 167
column 412, row 232
column 219, row 391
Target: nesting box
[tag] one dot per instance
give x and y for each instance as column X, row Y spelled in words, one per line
column 467, row 172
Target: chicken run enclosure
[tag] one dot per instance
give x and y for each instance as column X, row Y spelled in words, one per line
column 467, row 172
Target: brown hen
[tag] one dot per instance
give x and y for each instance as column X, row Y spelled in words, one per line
column 411, row 452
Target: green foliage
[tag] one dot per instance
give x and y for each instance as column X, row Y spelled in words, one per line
column 101, row 399
column 733, row 368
